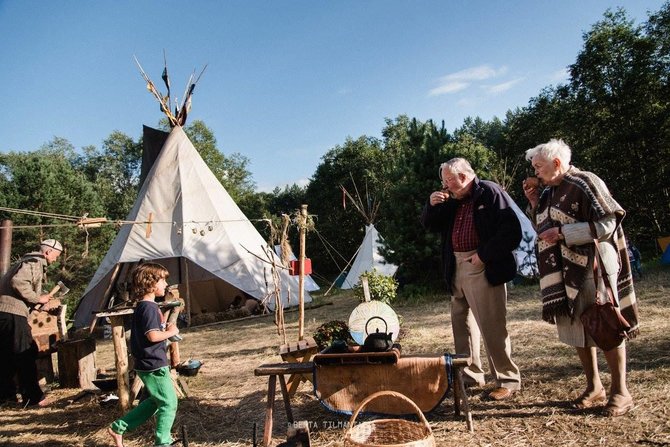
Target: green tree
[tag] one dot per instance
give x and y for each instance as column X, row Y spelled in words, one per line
column 421, row 149
column 272, row 205
column 53, row 195
column 114, row 170
column 620, row 87
column 357, row 165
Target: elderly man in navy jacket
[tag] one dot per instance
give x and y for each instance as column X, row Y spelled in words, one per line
column 479, row 232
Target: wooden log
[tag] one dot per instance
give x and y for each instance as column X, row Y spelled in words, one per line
column 62, row 322
column 121, row 355
column 269, row 407
column 136, row 388
column 273, row 369
column 6, row 229
column 76, row 363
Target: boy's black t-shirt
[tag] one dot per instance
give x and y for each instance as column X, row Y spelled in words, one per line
column 148, row 356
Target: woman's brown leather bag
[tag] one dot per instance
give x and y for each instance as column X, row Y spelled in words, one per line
column 603, row 321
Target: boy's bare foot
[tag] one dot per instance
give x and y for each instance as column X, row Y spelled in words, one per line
column 118, row 439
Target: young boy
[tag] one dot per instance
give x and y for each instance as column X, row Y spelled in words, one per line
column 147, row 344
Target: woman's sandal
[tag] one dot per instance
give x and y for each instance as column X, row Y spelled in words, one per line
column 618, row 405
column 590, row 400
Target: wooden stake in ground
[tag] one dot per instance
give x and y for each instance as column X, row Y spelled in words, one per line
column 119, row 340
column 301, row 275
column 6, row 229
column 305, row 348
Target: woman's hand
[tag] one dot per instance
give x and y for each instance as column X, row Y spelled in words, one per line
column 552, row 235
column 531, row 189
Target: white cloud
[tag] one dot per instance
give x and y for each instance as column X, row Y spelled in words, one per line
column 502, row 87
column 460, row 80
column 479, row 73
column 449, row 87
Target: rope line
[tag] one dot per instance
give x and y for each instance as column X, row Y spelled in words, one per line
column 79, row 221
column 40, row 213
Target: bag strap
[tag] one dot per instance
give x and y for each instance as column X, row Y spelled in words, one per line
column 598, row 271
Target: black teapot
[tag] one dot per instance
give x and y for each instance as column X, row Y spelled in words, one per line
column 378, row 341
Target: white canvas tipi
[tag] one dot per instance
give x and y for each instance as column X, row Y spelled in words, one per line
column 197, row 232
column 368, row 258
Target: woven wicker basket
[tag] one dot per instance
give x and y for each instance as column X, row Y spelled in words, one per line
column 389, row 432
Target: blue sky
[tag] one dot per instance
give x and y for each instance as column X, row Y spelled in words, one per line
column 286, row 80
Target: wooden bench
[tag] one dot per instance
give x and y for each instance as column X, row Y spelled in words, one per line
column 279, row 370
column 275, row 370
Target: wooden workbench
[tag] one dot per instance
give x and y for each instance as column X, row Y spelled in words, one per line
column 279, row 370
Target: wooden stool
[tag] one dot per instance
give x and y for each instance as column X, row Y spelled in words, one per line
column 280, row 370
column 300, row 352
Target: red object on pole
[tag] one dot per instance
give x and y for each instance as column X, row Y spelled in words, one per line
column 294, row 267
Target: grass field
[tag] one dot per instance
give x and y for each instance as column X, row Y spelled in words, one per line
column 227, row 399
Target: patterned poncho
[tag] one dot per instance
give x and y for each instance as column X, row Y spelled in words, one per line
column 580, row 197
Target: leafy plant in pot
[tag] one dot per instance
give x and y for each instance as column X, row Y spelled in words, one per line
column 335, row 332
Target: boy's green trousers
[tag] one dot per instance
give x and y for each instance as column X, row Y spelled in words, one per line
column 162, row 402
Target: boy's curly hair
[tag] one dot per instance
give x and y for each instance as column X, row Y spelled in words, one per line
column 145, row 277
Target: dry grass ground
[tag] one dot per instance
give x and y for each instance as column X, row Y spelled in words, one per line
column 227, row 399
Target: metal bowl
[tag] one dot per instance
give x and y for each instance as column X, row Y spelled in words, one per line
column 189, row 368
column 106, row 384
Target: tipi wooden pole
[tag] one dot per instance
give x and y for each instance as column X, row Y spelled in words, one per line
column 301, row 276
column 5, row 245
column 112, row 285
column 184, row 278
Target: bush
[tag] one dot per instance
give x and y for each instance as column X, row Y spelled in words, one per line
column 382, row 288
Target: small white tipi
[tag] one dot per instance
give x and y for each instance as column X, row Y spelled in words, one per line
column 368, row 258
column 197, row 231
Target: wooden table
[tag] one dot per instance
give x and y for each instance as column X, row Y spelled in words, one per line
column 116, row 318
column 279, row 370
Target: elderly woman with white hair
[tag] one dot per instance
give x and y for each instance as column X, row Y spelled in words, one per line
column 576, row 219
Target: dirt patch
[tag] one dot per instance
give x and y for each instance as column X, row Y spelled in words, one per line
column 227, row 399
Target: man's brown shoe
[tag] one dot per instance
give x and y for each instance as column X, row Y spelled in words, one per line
column 501, row 393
